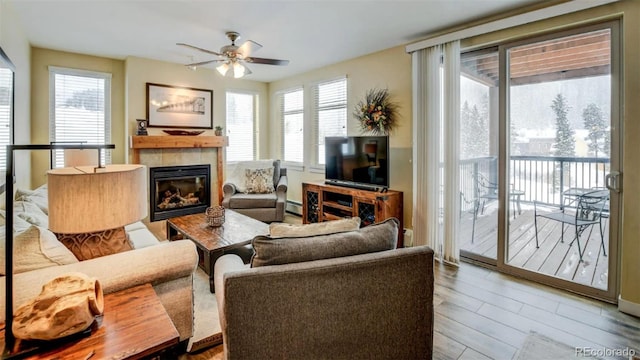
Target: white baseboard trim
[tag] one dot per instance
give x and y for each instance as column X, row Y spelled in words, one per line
column 294, row 207
column 628, row 307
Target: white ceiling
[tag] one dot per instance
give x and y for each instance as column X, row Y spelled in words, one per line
column 311, row 34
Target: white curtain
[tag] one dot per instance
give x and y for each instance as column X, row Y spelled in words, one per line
column 436, row 171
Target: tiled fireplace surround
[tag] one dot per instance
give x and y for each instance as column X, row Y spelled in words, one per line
column 170, row 150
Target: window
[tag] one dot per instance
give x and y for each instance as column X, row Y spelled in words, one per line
column 292, row 115
column 330, row 113
column 241, row 126
column 6, row 102
column 80, row 109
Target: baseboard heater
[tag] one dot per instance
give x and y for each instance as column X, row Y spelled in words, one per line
column 294, row 207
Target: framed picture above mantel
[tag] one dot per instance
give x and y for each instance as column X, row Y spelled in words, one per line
column 179, row 107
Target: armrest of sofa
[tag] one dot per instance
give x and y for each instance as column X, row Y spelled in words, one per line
column 168, row 266
column 228, row 189
column 283, row 183
column 224, row 265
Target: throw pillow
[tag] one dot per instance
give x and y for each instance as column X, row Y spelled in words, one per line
column 31, row 213
column 322, row 228
column 19, row 224
column 36, row 248
column 39, row 197
column 92, row 245
column 373, row 238
column 237, row 174
column 259, row 181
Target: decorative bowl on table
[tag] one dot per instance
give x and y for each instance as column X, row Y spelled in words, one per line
column 184, row 132
column 215, row 215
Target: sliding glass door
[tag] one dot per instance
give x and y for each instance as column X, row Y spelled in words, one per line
column 540, row 130
column 479, row 182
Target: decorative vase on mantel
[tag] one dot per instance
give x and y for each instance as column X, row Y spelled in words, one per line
column 218, row 131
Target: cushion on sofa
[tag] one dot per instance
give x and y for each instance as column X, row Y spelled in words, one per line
column 31, row 213
column 253, row 201
column 237, row 175
column 259, row 181
column 278, row 251
column 35, row 248
column 141, row 238
column 19, row 224
column 87, row 246
column 39, row 197
column 322, row 228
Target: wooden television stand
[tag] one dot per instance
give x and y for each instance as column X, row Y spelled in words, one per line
column 322, row 202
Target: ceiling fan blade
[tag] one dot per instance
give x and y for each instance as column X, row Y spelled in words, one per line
column 256, row 60
column 201, row 49
column 205, row 62
column 248, row 47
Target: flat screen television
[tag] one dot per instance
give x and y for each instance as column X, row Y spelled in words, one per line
column 357, row 161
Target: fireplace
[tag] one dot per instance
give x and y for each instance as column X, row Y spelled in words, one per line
column 178, row 190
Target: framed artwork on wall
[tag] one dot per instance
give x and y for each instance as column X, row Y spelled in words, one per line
column 179, row 107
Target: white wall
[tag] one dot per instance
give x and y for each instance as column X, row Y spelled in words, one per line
column 390, row 69
column 15, row 44
column 139, row 71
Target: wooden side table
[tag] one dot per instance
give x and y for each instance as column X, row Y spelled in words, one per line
column 135, row 325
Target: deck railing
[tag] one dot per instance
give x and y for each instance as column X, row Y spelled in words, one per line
column 542, row 178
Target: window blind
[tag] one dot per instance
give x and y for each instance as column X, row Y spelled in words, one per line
column 330, row 113
column 6, row 96
column 292, row 117
column 79, row 109
column 241, row 127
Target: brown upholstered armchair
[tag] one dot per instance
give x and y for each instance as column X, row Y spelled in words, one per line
column 244, row 190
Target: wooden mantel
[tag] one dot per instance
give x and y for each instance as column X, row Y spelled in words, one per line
column 137, row 143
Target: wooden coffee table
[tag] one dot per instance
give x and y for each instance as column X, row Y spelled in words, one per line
column 135, row 325
column 212, row 242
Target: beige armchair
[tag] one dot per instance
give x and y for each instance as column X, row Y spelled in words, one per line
column 263, row 206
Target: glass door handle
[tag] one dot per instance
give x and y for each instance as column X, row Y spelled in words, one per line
column 613, row 181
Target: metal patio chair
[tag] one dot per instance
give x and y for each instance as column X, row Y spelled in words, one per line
column 488, row 191
column 588, row 208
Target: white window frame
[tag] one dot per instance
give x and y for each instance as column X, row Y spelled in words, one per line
column 53, row 71
column 255, row 98
column 316, row 166
column 280, row 95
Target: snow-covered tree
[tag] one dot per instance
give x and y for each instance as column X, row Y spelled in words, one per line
column 599, row 138
column 474, row 132
column 565, row 144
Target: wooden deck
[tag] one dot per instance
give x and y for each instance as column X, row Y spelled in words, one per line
column 552, row 257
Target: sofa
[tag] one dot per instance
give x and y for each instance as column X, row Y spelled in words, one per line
column 168, row 266
column 347, row 295
column 246, row 191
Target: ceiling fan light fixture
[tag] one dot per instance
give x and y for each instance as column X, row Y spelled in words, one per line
column 238, row 70
column 233, row 57
column 222, row 69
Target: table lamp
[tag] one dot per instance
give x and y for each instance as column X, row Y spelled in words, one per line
column 84, row 199
column 81, row 199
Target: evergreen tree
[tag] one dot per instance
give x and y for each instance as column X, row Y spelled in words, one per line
column 565, row 144
column 474, row 132
column 465, row 138
column 89, row 99
column 598, row 139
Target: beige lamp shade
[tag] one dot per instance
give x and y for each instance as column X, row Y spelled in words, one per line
column 85, row 199
column 80, row 157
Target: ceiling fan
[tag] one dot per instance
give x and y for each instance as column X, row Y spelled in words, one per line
column 233, row 57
